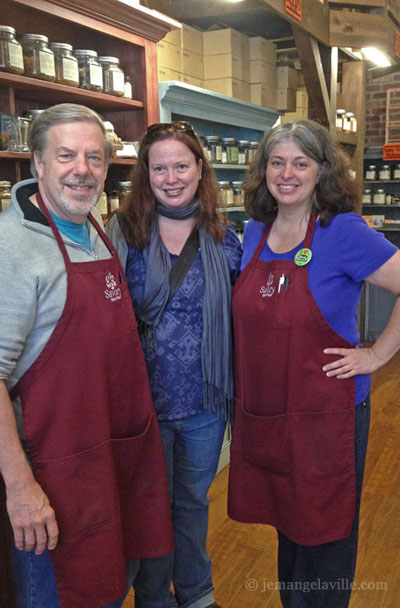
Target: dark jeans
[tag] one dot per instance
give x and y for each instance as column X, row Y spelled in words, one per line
column 329, row 567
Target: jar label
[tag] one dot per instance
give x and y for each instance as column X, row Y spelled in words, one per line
column 46, row 62
column 70, row 70
column 96, row 75
column 15, row 55
column 218, row 154
column 118, row 81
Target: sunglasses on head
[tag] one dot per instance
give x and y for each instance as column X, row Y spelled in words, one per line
column 180, row 125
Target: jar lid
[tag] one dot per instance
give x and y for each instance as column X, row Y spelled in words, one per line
column 243, row 142
column 33, row 113
column 229, row 140
column 380, row 191
column 109, row 60
column 385, row 167
column 367, row 191
column 33, row 37
column 212, row 138
column 85, row 53
column 349, row 114
column 224, row 184
column 254, row 144
column 371, row 166
column 237, row 184
column 5, row 184
column 340, row 111
column 123, row 185
column 61, row 45
column 7, row 28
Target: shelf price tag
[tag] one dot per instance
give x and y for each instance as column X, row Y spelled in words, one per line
column 391, row 151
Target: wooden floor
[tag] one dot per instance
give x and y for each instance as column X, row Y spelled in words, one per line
column 244, row 556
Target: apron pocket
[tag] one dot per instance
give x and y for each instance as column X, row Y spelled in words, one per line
column 79, row 489
column 323, row 442
column 127, row 455
column 266, row 442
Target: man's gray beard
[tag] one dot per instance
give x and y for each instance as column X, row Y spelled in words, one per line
column 83, row 210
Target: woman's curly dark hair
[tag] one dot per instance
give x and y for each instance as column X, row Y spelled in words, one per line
column 336, row 190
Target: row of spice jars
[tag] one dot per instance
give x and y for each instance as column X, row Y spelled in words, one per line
column 384, row 172
column 228, row 150
column 108, row 203
column 346, row 121
column 55, row 62
column 232, row 193
column 378, row 197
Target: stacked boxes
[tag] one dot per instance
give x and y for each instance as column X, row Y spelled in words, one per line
column 226, row 63
column 262, row 54
column 180, row 56
column 286, row 82
column 301, row 112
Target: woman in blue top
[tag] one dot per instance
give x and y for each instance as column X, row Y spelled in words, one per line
column 302, row 380
column 186, row 341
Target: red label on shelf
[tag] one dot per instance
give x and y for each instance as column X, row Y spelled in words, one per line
column 391, row 151
column 294, row 8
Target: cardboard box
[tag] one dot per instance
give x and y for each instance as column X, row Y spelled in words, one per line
column 300, row 114
column 286, row 99
column 230, row 87
column 263, row 95
column 188, row 38
column 192, row 64
column 302, row 98
column 195, row 82
column 165, row 74
column 218, row 42
column 263, row 49
column 245, row 47
column 286, row 78
column 261, row 72
column 169, row 56
column 223, row 66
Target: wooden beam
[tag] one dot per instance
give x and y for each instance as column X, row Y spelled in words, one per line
column 319, row 107
column 315, row 18
column 192, row 9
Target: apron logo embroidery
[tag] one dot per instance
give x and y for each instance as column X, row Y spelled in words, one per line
column 268, row 290
column 113, row 292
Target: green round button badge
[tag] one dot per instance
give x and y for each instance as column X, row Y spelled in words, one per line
column 302, row 257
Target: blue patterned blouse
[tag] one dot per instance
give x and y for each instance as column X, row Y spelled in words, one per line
column 175, row 371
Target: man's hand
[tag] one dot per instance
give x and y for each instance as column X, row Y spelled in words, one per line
column 32, row 518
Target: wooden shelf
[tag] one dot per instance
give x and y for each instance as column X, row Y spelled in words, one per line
column 27, row 156
column 51, row 92
column 346, row 138
column 235, row 167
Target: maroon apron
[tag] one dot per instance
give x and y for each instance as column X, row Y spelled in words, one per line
column 292, row 454
column 93, row 435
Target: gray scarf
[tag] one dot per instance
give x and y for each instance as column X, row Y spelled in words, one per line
column 216, row 348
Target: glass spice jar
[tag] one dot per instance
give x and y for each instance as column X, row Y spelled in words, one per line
column 90, row 70
column 379, row 197
column 347, row 122
column 38, row 57
column 226, row 193
column 238, row 194
column 396, row 172
column 366, row 196
column 124, row 189
column 243, row 151
column 384, row 172
column 370, row 173
column 252, row 150
column 11, row 56
column 213, row 148
column 230, row 151
column 114, row 78
column 128, row 91
column 5, row 195
column 67, row 71
column 339, row 118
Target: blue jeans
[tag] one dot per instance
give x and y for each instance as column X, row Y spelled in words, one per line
column 191, row 449
column 35, row 583
column 329, row 566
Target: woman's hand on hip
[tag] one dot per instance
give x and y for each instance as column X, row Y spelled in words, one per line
column 353, row 361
